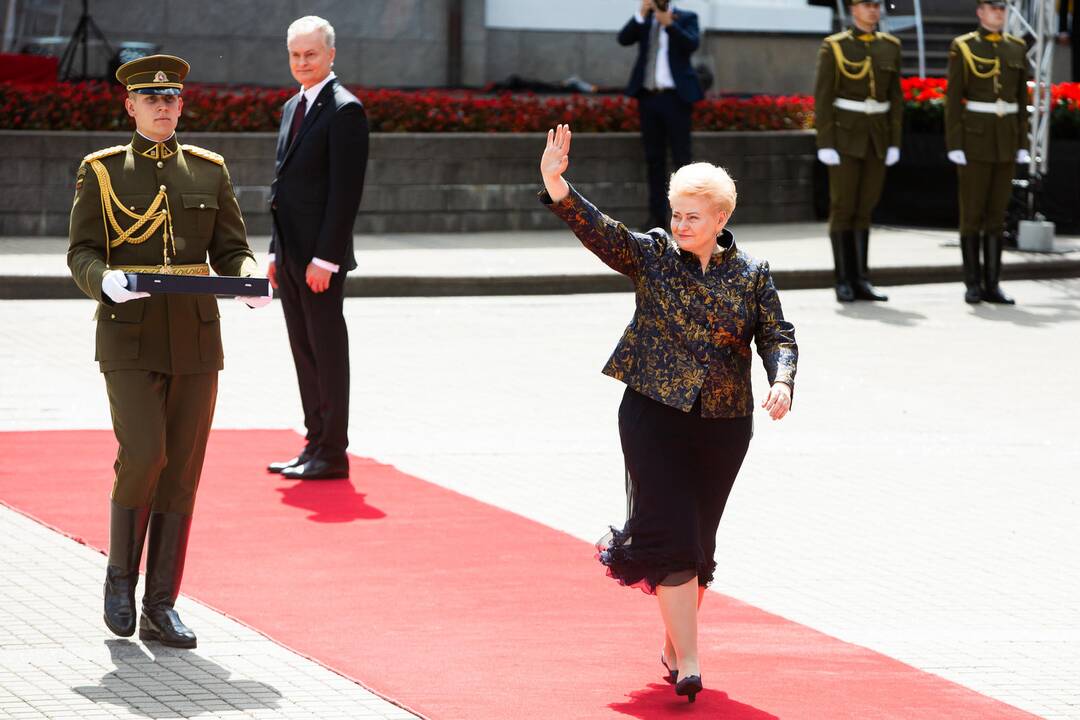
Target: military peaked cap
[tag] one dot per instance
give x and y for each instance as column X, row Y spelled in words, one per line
column 154, row 75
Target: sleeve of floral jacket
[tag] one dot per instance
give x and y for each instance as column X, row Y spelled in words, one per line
column 608, row 239
column 773, row 335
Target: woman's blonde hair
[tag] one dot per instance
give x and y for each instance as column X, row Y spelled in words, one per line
column 706, row 180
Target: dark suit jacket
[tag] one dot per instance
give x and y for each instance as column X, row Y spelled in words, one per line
column 319, row 179
column 683, row 40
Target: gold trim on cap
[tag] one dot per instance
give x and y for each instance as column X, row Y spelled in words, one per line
column 137, row 86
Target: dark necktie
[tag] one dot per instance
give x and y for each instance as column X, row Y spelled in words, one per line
column 297, row 119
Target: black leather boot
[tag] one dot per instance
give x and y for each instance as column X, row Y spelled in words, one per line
column 164, row 569
column 127, row 530
column 863, row 289
column 844, row 293
column 991, row 291
column 969, row 253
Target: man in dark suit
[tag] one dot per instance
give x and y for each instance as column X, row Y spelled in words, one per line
column 321, row 158
column 666, row 88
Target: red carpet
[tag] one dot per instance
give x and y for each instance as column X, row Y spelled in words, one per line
column 456, row 609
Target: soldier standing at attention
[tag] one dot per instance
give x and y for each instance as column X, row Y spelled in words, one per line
column 154, row 205
column 986, row 134
column 859, row 112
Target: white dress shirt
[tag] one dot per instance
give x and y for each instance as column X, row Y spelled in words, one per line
column 310, row 94
column 664, row 78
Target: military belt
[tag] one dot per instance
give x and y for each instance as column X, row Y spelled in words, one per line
column 197, row 269
column 868, row 106
column 998, row 108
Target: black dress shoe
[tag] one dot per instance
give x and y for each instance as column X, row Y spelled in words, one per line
column 689, row 686
column 318, row 469
column 163, row 625
column 672, row 675
column 300, row 459
column 995, row 295
column 865, row 291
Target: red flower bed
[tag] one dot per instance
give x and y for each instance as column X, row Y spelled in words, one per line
column 99, row 106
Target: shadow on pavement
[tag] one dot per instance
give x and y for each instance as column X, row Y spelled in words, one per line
column 174, row 684
column 1019, row 315
column 879, row 312
column 658, row 700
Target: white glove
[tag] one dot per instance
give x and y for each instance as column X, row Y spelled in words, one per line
column 828, row 156
column 957, row 157
column 257, row 301
column 1023, row 157
column 114, row 285
column 892, row 156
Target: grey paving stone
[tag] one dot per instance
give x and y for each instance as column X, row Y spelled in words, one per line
column 58, row 661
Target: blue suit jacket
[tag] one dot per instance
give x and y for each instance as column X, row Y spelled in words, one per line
column 683, row 40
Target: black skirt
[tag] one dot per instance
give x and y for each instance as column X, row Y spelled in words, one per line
column 680, row 468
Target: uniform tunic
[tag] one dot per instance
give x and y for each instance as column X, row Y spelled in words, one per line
column 857, row 66
column 160, row 355
column 986, row 67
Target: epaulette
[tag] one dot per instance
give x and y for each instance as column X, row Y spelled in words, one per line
column 106, row 152
column 1015, row 39
column 887, row 36
column 966, row 36
column 836, row 37
column 203, row 153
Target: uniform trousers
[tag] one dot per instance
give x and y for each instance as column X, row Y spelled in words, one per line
column 984, row 189
column 162, row 423
column 854, row 190
column 319, row 339
column 680, row 470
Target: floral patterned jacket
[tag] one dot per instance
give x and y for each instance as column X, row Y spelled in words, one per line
column 691, row 330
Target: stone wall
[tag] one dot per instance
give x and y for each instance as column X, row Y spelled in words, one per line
column 404, row 43
column 395, row 43
column 431, row 182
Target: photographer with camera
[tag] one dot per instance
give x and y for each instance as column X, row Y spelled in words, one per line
column 666, row 88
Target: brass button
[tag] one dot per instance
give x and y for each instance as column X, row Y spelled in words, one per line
column 132, row 207
column 160, row 164
column 202, row 206
column 113, row 316
column 162, row 188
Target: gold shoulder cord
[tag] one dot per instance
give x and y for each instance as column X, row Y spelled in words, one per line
column 973, row 61
column 858, row 70
column 156, row 215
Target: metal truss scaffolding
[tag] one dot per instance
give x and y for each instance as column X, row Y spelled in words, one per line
column 1036, row 22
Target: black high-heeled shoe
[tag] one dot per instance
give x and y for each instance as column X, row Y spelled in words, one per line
column 672, row 675
column 689, row 686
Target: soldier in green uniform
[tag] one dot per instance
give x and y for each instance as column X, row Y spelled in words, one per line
column 986, row 134
column 859, row 113
column 154, row 205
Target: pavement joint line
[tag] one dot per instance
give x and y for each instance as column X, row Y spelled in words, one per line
column 963, row 463
column 236, row 672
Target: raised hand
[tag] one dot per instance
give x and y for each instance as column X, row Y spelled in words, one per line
column 555, row 160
